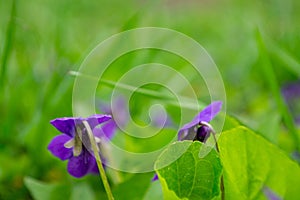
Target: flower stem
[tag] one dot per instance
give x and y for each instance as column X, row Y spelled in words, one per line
column 99, row 162
column 222, row 177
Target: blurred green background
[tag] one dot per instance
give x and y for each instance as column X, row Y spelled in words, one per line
column 41, row 41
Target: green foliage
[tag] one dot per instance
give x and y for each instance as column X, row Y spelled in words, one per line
column 271, row 79
column 52, row 191
column 46, row 191
column 154, row 191
column 42, row 40
column 140, row 183
column 251, row 163
column 82, row 191
column 189, row 176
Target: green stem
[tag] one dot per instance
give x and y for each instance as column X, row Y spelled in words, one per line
column 222, row 177
column 222, row 188
column 99, row 162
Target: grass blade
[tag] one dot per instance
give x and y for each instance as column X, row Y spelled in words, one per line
column 271, row 79
column 283, row 56
column 8, row 42
column 187, row 102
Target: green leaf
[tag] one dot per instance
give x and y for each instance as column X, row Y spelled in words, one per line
column 251, row 163
column 154, row 192
column 229, row 123
column 38, row 189
column 44, row 191
column 134, row 188
column 188, row 176
column 82, row 191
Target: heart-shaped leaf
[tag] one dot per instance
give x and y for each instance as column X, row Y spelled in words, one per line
column 251, row 164
column 189, row 176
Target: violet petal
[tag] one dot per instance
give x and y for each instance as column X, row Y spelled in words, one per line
column 159, row 121
column 94, row 167
column 291, row 94
column 106, row 131
column 121, row 116
column 57, row 148
column 66, row 124
column 291, row 90
column 155, row 178
column 109, row 129
column 117, row 109
column 210, row 111
column 206, row 115
column 78, row 166
column 97, row 119
column 270, row 194
column 93, row 164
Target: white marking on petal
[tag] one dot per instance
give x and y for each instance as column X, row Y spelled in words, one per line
column 69, row 144
column 97, row 139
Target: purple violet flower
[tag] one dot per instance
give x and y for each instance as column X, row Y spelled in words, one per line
column 74, row 145
column 159, row 120
column 198, row 128
column 291, row 94
column 270, row 194
column 119, row 118
column 155, row 178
